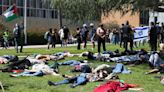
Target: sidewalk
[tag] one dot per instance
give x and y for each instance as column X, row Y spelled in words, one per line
column 41, row 46
column 38, row 46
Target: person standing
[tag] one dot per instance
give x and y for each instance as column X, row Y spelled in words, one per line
column 101, row 33
column 121, row 35
column 92, row 35
column 66, row 35
column 127, row 36
column 84, row 35
column 18, row 37
column 54, row 38
column 153, row 37
column 49, row 37
column 78, row 36
column 162, row 33
column 61, row 34
column 5, row 38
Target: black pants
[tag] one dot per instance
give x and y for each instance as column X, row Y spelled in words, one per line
column 53, row 42
column 153, row 45
column 78, row 43
column 162, row 38
column 126, row 40
column 101, row 40
column 20, row 64
column 85, row 41
column 19, row 42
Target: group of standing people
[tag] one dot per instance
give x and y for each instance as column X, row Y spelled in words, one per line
column 156, row 35
column 84, row 32
column 17, row 37
column 51, row 36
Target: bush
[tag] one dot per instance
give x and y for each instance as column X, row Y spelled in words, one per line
column 112, row 25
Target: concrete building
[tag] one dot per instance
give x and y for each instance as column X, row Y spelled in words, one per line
column 39, row 15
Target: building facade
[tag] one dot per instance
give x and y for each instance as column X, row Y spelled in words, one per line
column 40, row 16
column 137, row 19
column 35, row 8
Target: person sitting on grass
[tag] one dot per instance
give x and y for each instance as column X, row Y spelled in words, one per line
column 156, row 62
column 38, row 70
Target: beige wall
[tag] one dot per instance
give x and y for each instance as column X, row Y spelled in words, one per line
column 34, row 24
column 117, row 17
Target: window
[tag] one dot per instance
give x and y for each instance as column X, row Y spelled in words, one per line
column 20, row 3
column 56, row 14
column 0, row 10
column 52, row 14
column 33, row 3
column 5, row 2
column 44, row 13
column 40, row 4
column 28, row 12
column 0, row 2
column 13, row 2
column 20, row 11
column 33, row 12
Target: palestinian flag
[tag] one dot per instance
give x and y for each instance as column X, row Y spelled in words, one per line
column 11, row 13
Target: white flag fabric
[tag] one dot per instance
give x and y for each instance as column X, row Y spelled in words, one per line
column 141, row 33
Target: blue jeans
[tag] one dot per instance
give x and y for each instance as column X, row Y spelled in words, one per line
column 75, row 80
column 120, row 68
column 70, row 62
column 155, row 60
column 39, row 73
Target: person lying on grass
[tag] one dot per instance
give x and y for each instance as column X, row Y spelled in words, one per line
column 109, row 56
column 81, row 79
column 38, row 70
column 22, row 64
column 8, row 58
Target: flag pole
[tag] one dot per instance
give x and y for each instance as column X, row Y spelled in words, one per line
column 25, row 21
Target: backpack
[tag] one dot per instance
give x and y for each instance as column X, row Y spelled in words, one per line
column 46, row 35
column 17, row 32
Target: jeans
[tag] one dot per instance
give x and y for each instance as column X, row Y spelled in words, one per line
column 75, row 80
column 120, row 68
column 38, row 73
column 70, row 62
column 155, row 60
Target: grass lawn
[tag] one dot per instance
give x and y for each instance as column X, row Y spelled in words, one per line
column 39, row 84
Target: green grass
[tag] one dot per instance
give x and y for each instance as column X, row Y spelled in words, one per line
column 39, row 84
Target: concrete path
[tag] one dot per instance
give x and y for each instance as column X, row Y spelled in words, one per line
column 42, row 46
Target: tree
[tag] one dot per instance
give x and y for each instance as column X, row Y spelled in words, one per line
column 82, row 10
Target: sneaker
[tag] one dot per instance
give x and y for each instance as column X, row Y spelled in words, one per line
column 72, row 86
column 51, row 83
column 162, row 80
column 12, row 75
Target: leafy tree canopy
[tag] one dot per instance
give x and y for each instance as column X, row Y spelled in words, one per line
column 81, row 10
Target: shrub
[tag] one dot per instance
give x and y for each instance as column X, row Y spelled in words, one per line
column 112, row 25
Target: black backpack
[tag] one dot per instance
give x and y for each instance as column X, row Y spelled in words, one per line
column 17, row 32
